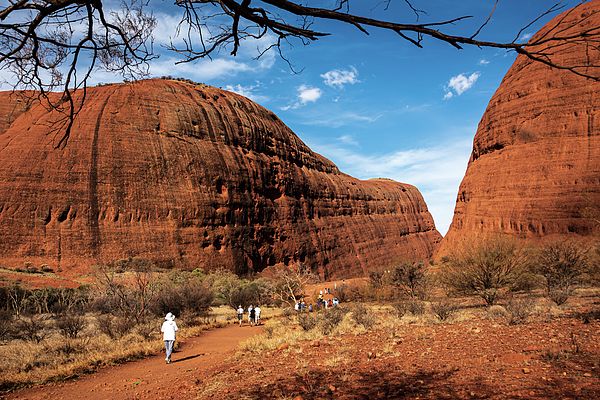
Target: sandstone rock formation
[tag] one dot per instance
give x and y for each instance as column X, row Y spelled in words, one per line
column 192, row 176
column 535, row 166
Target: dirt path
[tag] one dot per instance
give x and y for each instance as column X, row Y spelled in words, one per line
column 151, row 378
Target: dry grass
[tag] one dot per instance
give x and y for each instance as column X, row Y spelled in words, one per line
column 55, row 358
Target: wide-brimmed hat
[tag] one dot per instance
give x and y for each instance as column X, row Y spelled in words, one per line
column 169, row 317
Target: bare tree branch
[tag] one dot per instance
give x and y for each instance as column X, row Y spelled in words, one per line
column 54, row 45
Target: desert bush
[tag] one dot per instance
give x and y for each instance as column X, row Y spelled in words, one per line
column 6, row 327
column 269, row 330
column 132, row 264
column 559, row 296
column 113, row 327
column 497, row 312
column 589, row 316
column 198, row 299
column 410, row 279
column 415, row 307
column 362, row 315
column 70, row 325
column 58, row 300
column 168, row 299
column 443, row 309
column 231, row 290
column 376, row 279
column 147, row 329
column 485, row 270
column 519, row 310
column 131, row 295
column 400, row 308
column 563, row 265
column 32, row 328
column 307, row 321
column 344, row 293
column 330, row 318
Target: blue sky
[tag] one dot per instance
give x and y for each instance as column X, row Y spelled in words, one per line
column 375, row 105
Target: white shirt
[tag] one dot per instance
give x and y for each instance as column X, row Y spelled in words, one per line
column 240, row 310
column 257, row 311
column 168, row 329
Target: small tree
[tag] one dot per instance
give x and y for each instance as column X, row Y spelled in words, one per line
column 289, row 284
column 70, row 325
column 32, row 328
column 376, row 279
column 485, row 269
column 130, row 295
column 409, row 278
column 232, row 290
column 562, row 264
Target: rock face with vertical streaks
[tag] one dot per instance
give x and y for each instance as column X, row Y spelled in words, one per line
column 192, row 176
column 535, row 166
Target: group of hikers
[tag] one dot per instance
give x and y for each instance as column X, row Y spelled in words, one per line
column 253, row 315
column 322, row 302
column 169, row 327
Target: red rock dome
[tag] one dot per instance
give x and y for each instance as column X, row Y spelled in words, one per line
column 535, row 166
column 191, row 176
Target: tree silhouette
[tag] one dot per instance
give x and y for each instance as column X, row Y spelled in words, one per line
column 58, row 44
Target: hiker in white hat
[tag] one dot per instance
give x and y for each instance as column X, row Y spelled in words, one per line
column 169, row 327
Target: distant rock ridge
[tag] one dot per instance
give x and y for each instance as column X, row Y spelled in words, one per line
column 535, row 166
column 192, row 176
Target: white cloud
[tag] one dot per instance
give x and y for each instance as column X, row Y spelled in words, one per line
column 170, row 29
column 305, row 94
column 525, row 37
column 253, row 54
column 436, row 171
column 308, row 94
column 247, row 91
column 460, row 84
column 340, row 77
column 483, row 61
column 200, row 71
column 348, row 139
column 338, row 119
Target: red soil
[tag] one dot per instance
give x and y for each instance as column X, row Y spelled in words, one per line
column 554, row 358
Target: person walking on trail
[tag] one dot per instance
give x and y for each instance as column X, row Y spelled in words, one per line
column 257, row 315
column 168, row 328
column 250, row 314
column 240, row 314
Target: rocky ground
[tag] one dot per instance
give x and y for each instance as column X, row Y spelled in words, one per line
column 480, row 358
column 475, row 354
